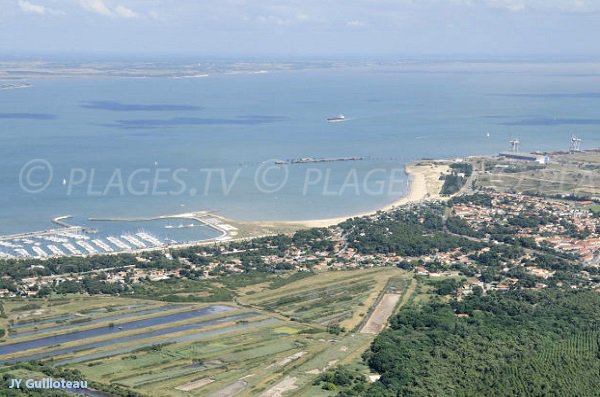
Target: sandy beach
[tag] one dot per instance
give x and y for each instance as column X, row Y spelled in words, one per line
column 425, row 184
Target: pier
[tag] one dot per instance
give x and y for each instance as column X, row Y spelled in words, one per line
column 60, row 221
column 201, row 217
column 41, row 233
column 308, row 160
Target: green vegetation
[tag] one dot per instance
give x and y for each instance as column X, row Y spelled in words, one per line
column 38, row 370
column 457, row 178
column 446, row 286
column 406, row 233
column 459, row 226
column 462, row 168
column 505, row 344
column 452, row 184
column 191, row 263
column 482, row 199
column 347, row 381
column 18, row 269
column 322, row 314
column 330, row 299
column 574, row 175
column 180, row 290
column 27, row 307
column 455, row 334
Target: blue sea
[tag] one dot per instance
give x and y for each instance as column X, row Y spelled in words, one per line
column 140, row 147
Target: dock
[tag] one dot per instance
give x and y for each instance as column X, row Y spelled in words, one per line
column 70, row 240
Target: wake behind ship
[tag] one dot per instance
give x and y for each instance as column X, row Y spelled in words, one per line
column 336, row 119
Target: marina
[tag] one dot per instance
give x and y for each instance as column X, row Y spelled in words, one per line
column 75, row 245
column 113, row 236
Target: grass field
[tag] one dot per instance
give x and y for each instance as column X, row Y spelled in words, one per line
column 576, row 173
column 595, row 209
column 342, row 297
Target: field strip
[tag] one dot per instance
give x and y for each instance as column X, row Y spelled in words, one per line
column 179, row 339
column 154, row 321
column 380, row 316
column 287, row 384
column 231, row 390
column 406, row 296
column 184, row 370
column 312, row 293
column 75, row 312
column 300, row 286
column 195, row 385
column 287, row 360
column 98, row 320
column 132, row 338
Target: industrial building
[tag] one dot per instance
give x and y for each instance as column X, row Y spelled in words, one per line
column 540, row 159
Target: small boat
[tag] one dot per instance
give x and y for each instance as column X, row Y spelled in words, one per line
column 336, row 119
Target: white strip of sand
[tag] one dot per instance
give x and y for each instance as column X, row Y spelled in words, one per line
column 425, row 184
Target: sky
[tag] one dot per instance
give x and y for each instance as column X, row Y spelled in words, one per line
column 525, row 28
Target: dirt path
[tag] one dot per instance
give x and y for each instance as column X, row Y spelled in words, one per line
column 287, row 384
column 385, row 309
column 195, row 385
column 230, row 390
column 405, row 298
column 380, row 316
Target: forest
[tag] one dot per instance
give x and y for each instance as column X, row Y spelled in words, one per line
column 521, row 343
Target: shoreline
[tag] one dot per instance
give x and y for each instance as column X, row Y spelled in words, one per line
column 424, row 184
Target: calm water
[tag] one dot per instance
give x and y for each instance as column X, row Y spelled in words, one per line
column 95, row 321
column 107, row 129
column 124, row 327
column 149, row 334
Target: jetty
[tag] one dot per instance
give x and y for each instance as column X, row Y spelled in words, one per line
column 202, row 217
column 308, row 160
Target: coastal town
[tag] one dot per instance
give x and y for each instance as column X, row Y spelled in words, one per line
column 318, row 293
column 299, row 198
column 511, row 234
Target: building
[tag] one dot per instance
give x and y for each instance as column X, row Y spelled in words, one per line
column 526, row 157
